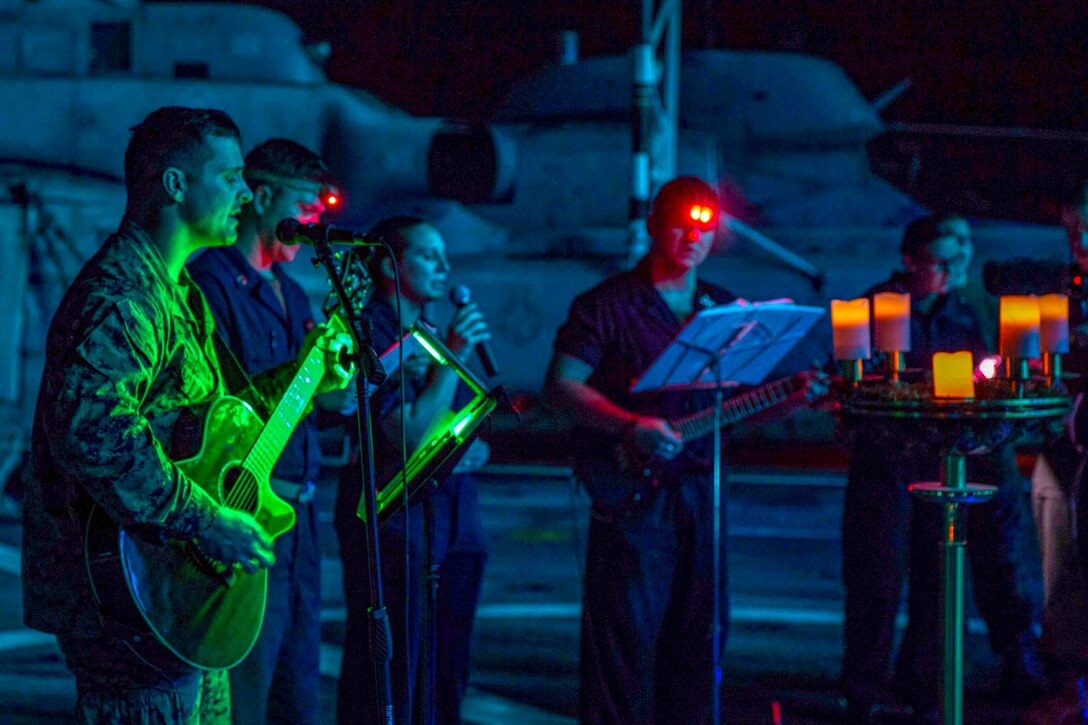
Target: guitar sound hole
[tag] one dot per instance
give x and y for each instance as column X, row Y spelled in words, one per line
column 239, row 490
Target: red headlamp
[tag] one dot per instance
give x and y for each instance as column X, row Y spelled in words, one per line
column 702, row 215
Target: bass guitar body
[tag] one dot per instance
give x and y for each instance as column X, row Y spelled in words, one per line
column 207, row 614
column 616, row 478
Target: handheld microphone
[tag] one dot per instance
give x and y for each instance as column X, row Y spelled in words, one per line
column 292, row 231
column 460, row 296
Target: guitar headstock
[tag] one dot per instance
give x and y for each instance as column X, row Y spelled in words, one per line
column 354, row 275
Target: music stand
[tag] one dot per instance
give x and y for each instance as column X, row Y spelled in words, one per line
column 756, row 336
column 390, row 359
column 443, row 445
column 446, row 439
column 729, row 345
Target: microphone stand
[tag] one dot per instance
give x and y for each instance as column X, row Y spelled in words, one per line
column 380, row 636
column 430, row 614
column 716, row 540
column 715, row 363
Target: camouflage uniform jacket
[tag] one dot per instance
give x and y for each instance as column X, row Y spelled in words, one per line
column 127, row 349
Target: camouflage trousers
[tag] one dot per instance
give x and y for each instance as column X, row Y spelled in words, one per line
column 136, row 681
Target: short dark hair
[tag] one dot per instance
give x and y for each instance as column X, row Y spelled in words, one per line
column 169, row 136
column 676, row 197
column 944, row 216
column 673, row 204
column 283, row 158
column 920, row 233
column 391, row 232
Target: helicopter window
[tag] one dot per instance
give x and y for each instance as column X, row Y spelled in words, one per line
column 190, row 70
column 111, row 48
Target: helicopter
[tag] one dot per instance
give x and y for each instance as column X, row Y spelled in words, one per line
column 533, row 204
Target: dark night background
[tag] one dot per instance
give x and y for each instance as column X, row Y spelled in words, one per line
column 1006, row 64
column 1010, row 62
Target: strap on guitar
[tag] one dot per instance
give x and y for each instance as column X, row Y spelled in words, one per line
column 234, row 375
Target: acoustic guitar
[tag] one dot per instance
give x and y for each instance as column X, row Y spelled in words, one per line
column 208, row 614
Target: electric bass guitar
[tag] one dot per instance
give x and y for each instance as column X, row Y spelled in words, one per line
column 206, row 613
column 618, row 475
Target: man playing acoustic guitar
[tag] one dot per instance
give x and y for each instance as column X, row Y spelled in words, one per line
column 646, row 619
column 128, row 351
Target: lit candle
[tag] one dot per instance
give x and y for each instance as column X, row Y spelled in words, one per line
column 1054, row 323
column 1019, row 327
column 850, row 329
column 891, row 322
column 953, row 375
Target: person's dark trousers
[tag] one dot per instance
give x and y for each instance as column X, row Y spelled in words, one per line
column 875, row 523
column 128, row 678
column 278, row 682
column 646, row 653
column 461, row 555
column 993, row 545
column 874, row 564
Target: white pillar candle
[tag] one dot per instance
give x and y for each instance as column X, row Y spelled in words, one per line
column 891, row 322
column 1054, row 323
column 850, row 329
column 1019, row 327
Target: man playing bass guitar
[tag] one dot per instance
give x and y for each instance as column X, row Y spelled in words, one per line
column 646, row 621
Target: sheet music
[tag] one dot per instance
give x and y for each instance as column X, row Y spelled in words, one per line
column 734, row 344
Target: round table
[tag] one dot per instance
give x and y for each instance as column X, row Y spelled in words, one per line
column 960, row 427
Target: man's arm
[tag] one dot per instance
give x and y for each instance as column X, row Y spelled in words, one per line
column 437, row 396
column 101, row 437
column 567, row 389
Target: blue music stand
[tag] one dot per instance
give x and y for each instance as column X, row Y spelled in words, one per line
column 725, row 346
column 734, row 344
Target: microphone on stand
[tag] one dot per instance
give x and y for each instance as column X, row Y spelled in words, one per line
column 460, row 296
column 292, row 231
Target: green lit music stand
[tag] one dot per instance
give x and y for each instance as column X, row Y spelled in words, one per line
column 445, row 441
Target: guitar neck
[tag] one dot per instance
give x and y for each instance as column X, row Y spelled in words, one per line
column 735, row 409
column 289, row 411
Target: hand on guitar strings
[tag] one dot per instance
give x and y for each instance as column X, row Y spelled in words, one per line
column 654, row 437
column 815, row 384
column 338, row 348
column 233, row 537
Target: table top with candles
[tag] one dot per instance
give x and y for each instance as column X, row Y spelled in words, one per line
column 998, row 398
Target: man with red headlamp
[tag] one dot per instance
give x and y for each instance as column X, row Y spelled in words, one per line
column 647, row 631
column 887, row 536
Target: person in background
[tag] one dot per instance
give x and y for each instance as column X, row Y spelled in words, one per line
column 887, row 535
column 264, row 318
column 1058, row 474
column 431, row 391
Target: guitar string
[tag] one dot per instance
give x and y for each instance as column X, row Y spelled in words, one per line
column 700, row 423
column 245, row 492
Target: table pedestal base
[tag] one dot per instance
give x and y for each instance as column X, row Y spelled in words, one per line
column 952, row 492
